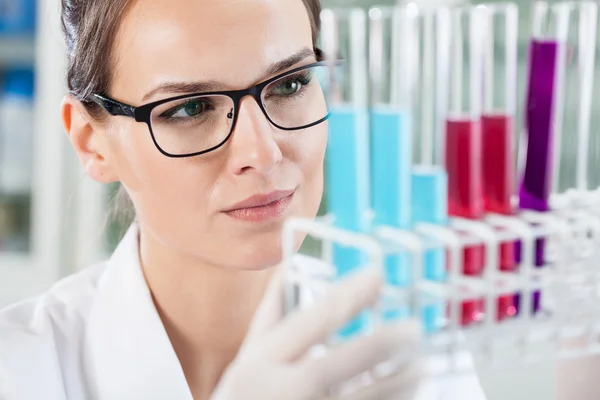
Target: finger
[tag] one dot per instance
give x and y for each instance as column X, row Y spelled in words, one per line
column 400, row 386
column 303, row 329
column 270, row 310
column 363, row 354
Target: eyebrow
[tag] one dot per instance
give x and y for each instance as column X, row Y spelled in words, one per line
column 213, row 86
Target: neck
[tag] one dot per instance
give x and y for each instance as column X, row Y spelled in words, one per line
column 206, row 309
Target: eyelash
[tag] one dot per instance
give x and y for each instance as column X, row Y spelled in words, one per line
column 303, row 77
column 168, row 114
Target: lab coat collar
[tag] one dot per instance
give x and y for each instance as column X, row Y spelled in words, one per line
column 130, row 354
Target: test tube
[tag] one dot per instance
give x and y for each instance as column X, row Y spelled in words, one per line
column 344, row 36
column 390, row 69
column 546, row 59
column 499, row 106
column 497, row 126
column 429, row 191
column 463, row 142
column 574, row 104
column 463, row 122
column 431, row 83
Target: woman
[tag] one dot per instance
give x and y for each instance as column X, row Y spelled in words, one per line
column 212, row 177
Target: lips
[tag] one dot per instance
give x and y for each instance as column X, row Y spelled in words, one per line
column 262, row 207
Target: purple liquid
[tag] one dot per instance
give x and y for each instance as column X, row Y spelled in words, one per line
column 534, row 192
column 537, row 178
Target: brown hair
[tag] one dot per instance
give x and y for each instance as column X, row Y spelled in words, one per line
column 89, row 27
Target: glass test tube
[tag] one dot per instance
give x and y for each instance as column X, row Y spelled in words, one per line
column 431, row 84
column 391, row 135
column 463, row 129
column 343, row 36
column 547, row 52
column 463, row 155
column 574, row 104
column 497, row 126
column 429, row 191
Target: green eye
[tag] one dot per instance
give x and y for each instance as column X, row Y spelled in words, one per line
column 291, row 85
column 288, row 88
column 193, row 108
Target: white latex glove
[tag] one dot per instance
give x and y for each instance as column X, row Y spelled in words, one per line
column 273, row 363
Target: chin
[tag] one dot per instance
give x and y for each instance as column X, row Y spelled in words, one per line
column 262, row 254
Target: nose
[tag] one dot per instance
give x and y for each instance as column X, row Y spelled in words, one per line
column 252, row 146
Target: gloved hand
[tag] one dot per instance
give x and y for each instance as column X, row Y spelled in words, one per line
column 273, row 363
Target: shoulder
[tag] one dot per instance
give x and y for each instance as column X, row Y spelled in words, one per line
column 37, row 335
column 67, row 300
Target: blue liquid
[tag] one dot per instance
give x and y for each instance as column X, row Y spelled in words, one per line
column 391, row 159
column 347, row 169
column 348, row 199
column 429, row 205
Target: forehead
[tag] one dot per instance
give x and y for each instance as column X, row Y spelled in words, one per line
column 230, row 41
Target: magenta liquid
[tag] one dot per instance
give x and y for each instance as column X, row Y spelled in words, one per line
column 534, row 192
column 535, row 186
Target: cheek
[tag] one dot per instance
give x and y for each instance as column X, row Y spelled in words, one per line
column 307, row 151
column 155, row 182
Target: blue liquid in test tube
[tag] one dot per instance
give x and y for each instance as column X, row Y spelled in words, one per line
column 391, row 147
column 347, row 197
column 429, row 205
column 344, row 33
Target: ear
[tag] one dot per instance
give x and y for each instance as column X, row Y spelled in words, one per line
column 88, row 139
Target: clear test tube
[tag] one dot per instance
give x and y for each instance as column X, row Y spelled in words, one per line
column 497, row 126
column 544, row 116
column 463, row 141
column 391, row 135
column 463, row 118
column 575, row 100
column 344, row 37
column 429, row 102
column 391, row 51
column 593, row 174
column 430, row 84
column 499, row 106
column 543, row 111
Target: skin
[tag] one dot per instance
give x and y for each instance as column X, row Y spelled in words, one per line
column 194, row 256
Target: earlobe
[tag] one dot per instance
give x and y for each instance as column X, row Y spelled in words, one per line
column 88, row 140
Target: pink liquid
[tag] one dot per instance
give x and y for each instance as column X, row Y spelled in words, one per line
column 464, row 167
column 472, row 312
column 499, row 174
column 498, row 169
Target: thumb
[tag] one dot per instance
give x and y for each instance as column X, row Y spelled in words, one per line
column 270, row 310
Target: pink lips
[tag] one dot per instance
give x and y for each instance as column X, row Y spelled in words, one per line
column 261, row 207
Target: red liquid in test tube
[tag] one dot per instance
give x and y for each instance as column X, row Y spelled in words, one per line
column 463, row 163
column 465, row 198
column 498, row 174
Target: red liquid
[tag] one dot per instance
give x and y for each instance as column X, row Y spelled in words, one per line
column 507, row 307
column 499, row 174
column 472, row 311
column 498, row 169
column 474, row 260
column 464, row 166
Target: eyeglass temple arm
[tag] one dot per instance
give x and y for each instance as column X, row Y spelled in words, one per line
column 114, row 107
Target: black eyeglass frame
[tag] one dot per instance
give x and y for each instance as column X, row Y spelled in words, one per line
column 144, row 113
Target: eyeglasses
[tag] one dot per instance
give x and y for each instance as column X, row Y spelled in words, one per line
column 195, row 124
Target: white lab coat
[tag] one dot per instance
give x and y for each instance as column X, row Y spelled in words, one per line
column 97, row 335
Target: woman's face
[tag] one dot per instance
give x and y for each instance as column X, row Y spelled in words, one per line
column 191, row 205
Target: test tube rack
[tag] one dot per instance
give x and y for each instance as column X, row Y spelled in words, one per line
column 568, row 322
